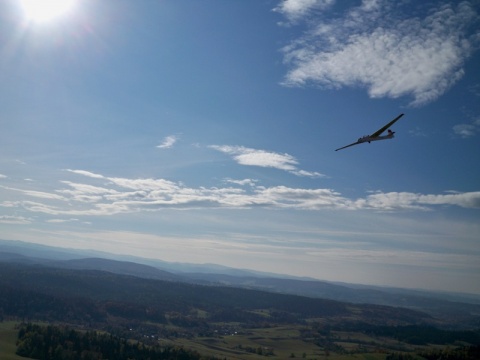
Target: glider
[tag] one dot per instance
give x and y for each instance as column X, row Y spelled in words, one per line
column 377, row 135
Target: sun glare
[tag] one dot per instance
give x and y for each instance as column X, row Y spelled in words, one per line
column 45, row 10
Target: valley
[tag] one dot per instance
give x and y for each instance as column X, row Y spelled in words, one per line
column 215, row 319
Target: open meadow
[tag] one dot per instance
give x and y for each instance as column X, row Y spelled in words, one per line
column 8, row 338
column 283, row 342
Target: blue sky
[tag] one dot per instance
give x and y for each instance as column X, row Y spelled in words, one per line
column 204, row 132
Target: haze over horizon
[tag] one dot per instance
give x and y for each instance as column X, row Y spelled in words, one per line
column 204, row 132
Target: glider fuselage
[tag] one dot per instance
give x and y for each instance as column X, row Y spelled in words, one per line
column 368, row 138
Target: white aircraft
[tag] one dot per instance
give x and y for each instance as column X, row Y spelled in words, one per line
column 377, row 135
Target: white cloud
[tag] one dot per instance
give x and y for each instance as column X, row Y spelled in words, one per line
column 467, row 130
column 250, row 182
column 34, row 193
column 168, row 142
column 84, row 192
column 263, row 158
column 41, row 194
column 3, row 176
column 10, row 204
column 312, row 174
column 295, row 9
column 136, row 195
column 61, row 220
column 19, row 220
column 145, row 184
column 406, row 200
column 375, row 47
column 86, row 173
column 253, row 157
column 464, row 130
column 370, row 5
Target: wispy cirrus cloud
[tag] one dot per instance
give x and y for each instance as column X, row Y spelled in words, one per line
column 34, row 193
column 464, row 130
column 85, row 173
column 16, row 220
column 243, row 182
column 263, row 158
column 375, row 46
column 60, row 221
column 295, row 9
column 467, row 130
column 168, row 142
column 407, row 200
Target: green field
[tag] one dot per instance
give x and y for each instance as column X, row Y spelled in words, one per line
column 8, row 338
column 280, row 342
column 285, row 341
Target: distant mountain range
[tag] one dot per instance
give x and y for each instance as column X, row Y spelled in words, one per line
column 456, row 310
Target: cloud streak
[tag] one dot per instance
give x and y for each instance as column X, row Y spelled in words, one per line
column 296, row 9
column 254, row 157
column 15, row 220
column 168, row 142
column 375, row 47
column 122, row 195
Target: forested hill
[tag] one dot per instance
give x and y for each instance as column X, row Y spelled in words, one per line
column 456, row 311
column 161, row 315
column 39, row 292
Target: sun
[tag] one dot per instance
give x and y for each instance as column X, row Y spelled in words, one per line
column 45, row 10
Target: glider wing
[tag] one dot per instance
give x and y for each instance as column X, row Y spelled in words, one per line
column 355, row 143
column 380, row 131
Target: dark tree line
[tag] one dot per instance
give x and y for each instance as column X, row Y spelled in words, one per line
column 64, row 343
column 32, row 305
column 460, row 353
